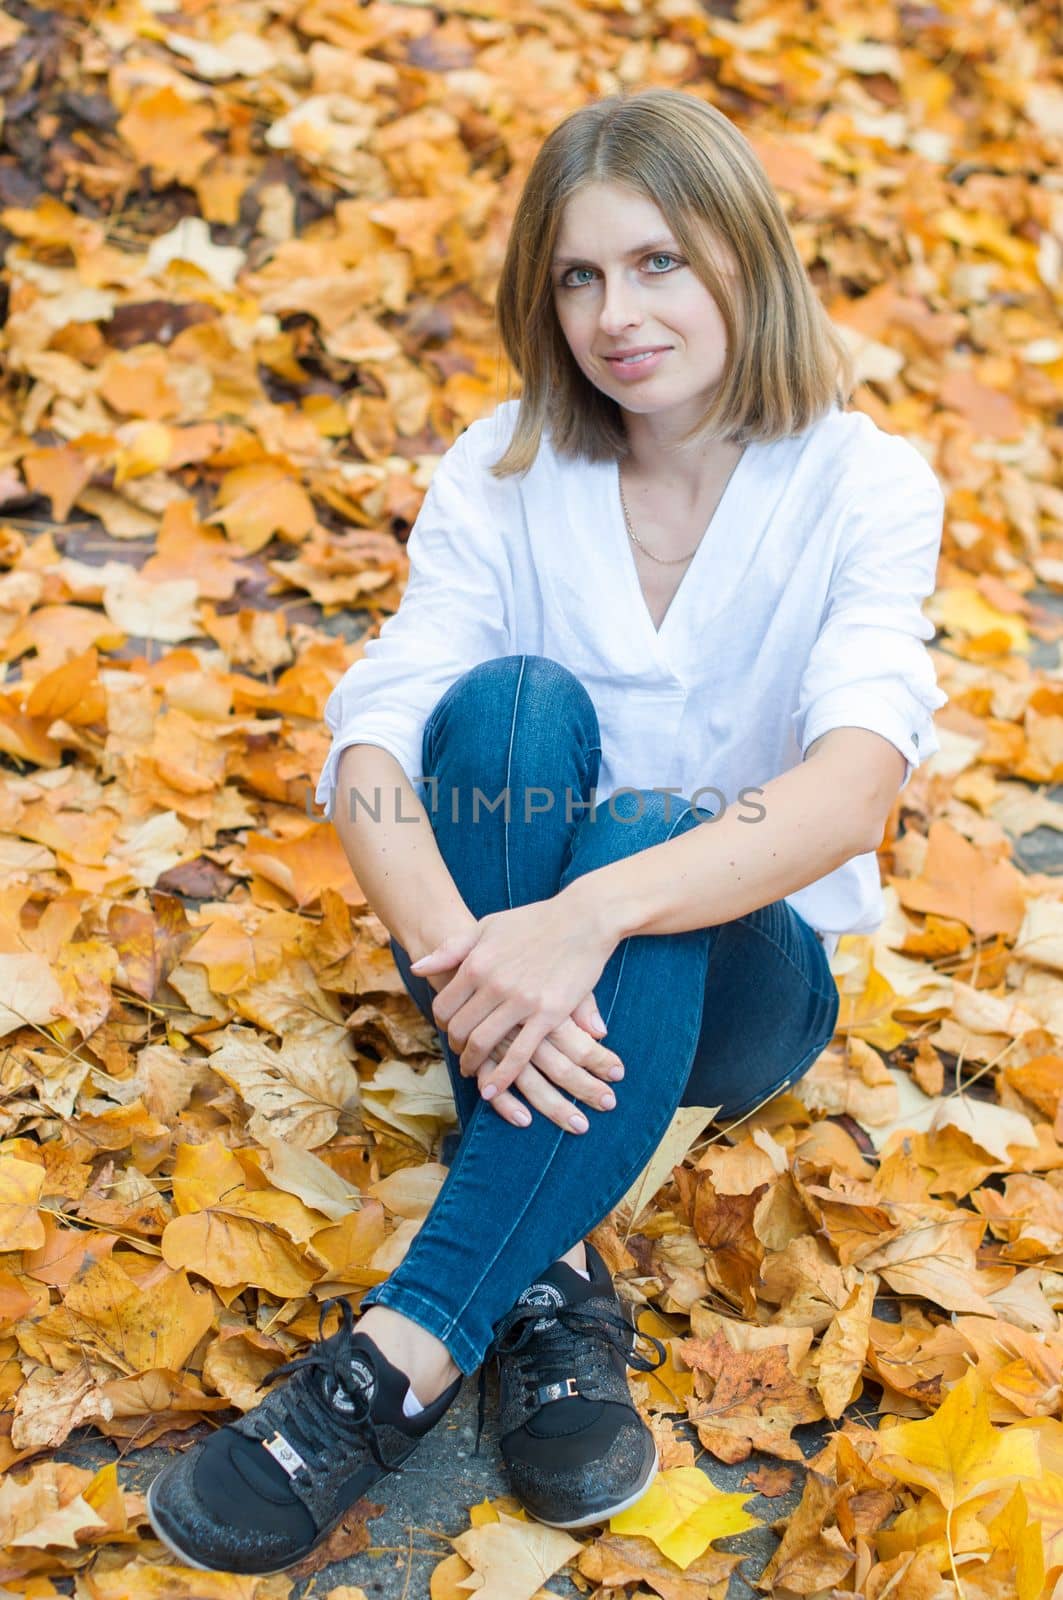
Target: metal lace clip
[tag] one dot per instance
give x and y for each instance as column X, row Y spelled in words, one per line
column 283, row 1452
column 557, row 1391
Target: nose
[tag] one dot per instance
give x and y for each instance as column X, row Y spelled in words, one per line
column 620, row 305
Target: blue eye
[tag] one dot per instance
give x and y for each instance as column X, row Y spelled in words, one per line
column 658, row 255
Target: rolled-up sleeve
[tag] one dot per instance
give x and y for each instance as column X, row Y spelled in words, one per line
column 455, row 612
column 869, row 666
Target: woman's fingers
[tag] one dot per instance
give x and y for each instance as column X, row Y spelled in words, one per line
column 550, row 1101
column 564, row 1074
column 511, row 1109
column 568, row 1038
column 541, row 1094
column 575, row 1043
column 542, row 1084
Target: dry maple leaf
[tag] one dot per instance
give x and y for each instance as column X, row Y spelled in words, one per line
column 297, row 1092
column 756, row 1400
column 616, row 1560
column 513, row 1558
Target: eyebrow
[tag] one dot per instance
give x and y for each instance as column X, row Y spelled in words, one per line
column 640, row 249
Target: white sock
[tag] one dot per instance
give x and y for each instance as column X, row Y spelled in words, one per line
column 411, row 1405
column 582, row 1273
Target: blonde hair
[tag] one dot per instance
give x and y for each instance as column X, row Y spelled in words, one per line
column 786, row 363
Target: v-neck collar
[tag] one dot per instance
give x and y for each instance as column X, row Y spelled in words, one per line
column 713, row 539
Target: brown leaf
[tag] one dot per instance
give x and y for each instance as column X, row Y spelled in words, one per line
column 755, row 1403
column 814, row 1554
column 348, row 1538
column 771, row 1482
column 616, row 1560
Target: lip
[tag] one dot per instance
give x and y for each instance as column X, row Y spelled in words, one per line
column 636, row 371
column 639, row 350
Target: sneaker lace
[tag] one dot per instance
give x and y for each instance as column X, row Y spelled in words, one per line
column 312, row 1419
column 553, row 1357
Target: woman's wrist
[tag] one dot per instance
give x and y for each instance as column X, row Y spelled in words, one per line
column 593, row 908
column 431, row 933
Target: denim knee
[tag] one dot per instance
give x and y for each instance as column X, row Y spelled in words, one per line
column 540, row 676
column 630, row 820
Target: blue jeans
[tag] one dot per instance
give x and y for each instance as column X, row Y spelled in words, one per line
column 722, row 1015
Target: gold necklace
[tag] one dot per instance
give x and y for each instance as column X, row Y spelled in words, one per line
column 666, row 561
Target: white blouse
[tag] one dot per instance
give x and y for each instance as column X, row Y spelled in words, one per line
column 800, row 612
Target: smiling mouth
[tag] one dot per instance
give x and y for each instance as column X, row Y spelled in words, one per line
column 633, row 361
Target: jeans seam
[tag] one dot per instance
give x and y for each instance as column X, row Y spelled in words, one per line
column 509, row 773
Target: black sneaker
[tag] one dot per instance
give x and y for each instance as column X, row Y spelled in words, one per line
column 576, row 1449
column 260, row 1494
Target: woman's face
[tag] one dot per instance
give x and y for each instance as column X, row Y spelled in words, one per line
column 621, row 283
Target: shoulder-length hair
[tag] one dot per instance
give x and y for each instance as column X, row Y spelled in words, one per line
column 786, row 363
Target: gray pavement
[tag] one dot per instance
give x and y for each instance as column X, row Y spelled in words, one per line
column 429, row 1500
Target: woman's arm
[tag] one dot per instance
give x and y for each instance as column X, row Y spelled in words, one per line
column 812, row 819
column 396, row 862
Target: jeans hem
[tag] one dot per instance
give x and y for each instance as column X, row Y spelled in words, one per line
column 429, row 1317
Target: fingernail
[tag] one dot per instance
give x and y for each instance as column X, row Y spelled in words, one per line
column 616, row 1073
column 522, row 1118
column 607, row 1102
column 599, row 1021
column 489, row 1091
column 578, row 1123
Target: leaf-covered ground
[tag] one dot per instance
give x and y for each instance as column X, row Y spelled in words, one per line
column 249, row 266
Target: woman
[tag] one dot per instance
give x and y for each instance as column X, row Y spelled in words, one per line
column 690, row 572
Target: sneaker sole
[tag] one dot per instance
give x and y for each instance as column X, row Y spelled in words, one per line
column 610, row 1511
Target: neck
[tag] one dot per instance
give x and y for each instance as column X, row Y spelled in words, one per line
column 691, row 474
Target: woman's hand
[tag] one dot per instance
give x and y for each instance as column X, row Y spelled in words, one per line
column 553, row 1064
column 571, row 1058
column 526, row 968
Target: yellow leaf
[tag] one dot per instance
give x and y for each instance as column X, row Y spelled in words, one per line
column 964, row 610
column 259, row 500
column 956, row 1453
column 164, row 611
column 135, row 1327
column 29, row 991
column 47, row 1508
column 843, row 1349
column 682, row 1511
column 232, row 1250
column 1044, row 1496
column 146, row 446
column 1013, row 1530
column 21, row 1183
column 204, row 1175
column 155, row 1580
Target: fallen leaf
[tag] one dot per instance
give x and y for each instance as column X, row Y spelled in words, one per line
column 513, row 1559
column 683, row 1512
